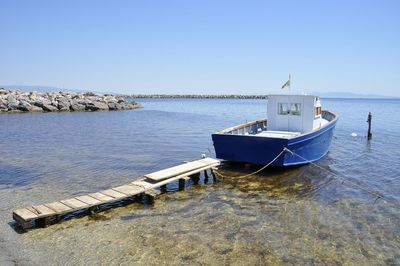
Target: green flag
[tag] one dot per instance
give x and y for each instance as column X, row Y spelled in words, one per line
column 287, row 83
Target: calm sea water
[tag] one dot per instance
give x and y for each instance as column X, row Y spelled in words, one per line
column 300, row 215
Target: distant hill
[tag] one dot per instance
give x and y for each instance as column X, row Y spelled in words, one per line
column 39, row 88
column 36, row 88
column 349, row 95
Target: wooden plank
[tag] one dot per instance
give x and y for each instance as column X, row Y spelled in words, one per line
column 58, row 207
column 180, row 169
column 74, row 203
column 113, row 193
column 88, row 200
column 101, row 197
column 143, row 183
column 167, row 181
column 25, row 214
column 129, row 190
column 41, row 210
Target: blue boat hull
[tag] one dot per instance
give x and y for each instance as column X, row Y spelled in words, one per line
column 262, row 150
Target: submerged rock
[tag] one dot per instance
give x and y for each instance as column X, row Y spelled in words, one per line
column 19, row 101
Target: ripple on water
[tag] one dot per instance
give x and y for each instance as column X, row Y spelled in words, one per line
column 300, row 215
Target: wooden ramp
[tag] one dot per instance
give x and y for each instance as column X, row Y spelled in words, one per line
column 41, row 214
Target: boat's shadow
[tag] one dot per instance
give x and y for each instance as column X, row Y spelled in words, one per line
column 292, row 182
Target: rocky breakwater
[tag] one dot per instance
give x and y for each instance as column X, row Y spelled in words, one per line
column 20, row 101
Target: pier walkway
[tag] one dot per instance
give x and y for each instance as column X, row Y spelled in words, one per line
column 40, row 215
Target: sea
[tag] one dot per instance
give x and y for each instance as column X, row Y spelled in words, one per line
column 345, row 209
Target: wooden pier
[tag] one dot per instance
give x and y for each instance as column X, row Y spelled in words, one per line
column 40, row 215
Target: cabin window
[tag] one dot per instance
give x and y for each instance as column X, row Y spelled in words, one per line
column 317, row 111
column 295, row 109
column 283, row 109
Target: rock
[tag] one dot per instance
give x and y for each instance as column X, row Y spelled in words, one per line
column 13, row 105
column 49, row 108
column 77, row 107
column 18, row 101
column 11, row 98
column 14, row 111
column 41, row 102
column 64, row 105
column 96, row 106
column 24, row 106
column 54, row 103
column 114, row 106
column 35, row 109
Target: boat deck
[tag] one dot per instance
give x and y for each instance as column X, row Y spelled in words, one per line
column 277, row 134
column 40, row 213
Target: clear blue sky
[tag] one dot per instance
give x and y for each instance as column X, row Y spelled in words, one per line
column 214, row 46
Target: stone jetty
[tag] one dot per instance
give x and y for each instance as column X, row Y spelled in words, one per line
column 197, row 96
column 21, row 101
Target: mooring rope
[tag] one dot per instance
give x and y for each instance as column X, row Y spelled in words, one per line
column 371, row 192
column 253, row 173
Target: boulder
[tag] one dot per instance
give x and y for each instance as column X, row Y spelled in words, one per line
column 34, row 108
column 114, row 106
column 13, row 105
column 3, row 106
column 64, row 105
column 49, row 108
column 96, row 106
column 11, row 98
column 24, row 106
column 41, row 102
column 77, row 107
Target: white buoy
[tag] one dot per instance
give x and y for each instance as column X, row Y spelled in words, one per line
column 354, row 134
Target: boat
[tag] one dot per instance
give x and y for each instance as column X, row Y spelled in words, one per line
column 296, row 132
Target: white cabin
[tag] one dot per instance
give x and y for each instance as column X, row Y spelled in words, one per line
column 293, row 114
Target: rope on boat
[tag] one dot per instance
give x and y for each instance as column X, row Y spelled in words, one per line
column 371, row 192
column 259, row 170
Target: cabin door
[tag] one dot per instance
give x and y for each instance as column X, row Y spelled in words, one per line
column 295, row 117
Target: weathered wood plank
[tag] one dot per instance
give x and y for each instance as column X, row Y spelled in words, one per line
column 180, row 169
column 101, row 197
column 58, row 207
column 144, row 184
column 88, row 200
column 25, row 214
column 129, row 190
column 74, row 203
column 113, row 193
column 167, row 181
column 41, row 210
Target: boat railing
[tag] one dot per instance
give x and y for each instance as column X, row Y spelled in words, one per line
column 249, row 128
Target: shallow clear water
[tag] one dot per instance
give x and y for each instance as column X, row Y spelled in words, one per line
column 281, row 216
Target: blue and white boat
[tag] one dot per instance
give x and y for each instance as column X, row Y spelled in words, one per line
column 295, row 123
